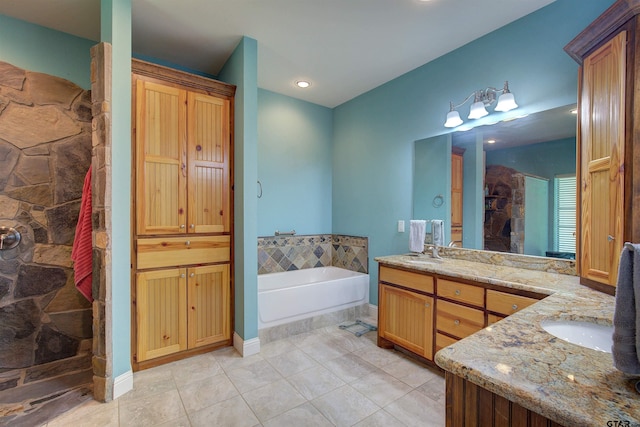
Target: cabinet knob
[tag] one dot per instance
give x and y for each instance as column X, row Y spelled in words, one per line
column 610, row 238
column 181, row 225
column 426, row 304
column 514, row 306
column 192, row 275
column 182, row 276
column 188, row 242
column 192, row 226
column 456, row 322
column 457, row 291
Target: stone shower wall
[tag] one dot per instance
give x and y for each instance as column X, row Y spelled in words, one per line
column 45, row 151
column 504, row 210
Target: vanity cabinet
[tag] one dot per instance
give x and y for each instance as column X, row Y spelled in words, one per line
column 608, row 171
column 405, row 311
column 181, row 258
column 407, row 316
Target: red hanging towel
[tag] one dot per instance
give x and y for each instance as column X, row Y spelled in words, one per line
column 82, row 252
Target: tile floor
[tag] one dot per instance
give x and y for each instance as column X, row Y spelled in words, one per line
column 328, row 377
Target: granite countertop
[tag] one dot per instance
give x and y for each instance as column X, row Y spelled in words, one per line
column 515, row 358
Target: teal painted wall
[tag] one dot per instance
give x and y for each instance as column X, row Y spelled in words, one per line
column 536, row 216
column 116, row 29
column 241, row 70
column 473, row 195
column 40, row 49
column 294, row 165
column 374, row 133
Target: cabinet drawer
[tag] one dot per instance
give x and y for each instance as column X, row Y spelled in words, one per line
column 188, row 250
column 493, row 318
column 443, row 341
column 461, row 292
column 458, row 320
column 417, row 281
column 507, row 304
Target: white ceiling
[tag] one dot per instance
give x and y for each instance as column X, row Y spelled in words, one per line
column 344, row 47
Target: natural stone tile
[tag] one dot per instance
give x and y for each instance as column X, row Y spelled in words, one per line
column 18, row 324
column 11, row 76
column 72, row 160
column 8, row 206
column 33, row 170
column 52, row 345
column 68, row 298
column 58, row 255
column 57, row 368
column 26, row 126
column 89, row 414
column 46, row 89
column 35, row 280
column 62, row 222
column 36, row 194
column 151, row 410
column 76, row 323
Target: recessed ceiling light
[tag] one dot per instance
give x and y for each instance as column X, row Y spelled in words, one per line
column 491, row 141
column 574, row 111
column 303, row 84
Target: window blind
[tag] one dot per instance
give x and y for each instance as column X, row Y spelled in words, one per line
column 565, row 213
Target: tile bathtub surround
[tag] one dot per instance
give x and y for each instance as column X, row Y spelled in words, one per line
column 286, row 253
column 322, row 378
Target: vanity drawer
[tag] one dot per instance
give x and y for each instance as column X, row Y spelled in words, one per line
column 461, row 292
column 173, row 251
column 458, row 320
column 443, row 341
column 408, row 279
column 507, row 304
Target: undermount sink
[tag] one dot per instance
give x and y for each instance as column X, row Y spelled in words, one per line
column 585, row 334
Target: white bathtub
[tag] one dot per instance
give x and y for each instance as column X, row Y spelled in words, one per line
column 299, row 294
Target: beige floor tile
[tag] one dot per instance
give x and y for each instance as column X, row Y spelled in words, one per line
column 292, row 362
column 315, row 382
column 206, row 392
column 380, row 419
column 230, row 359
column 233, row 412
column 410, row 371
column 434, row 389
column 253, row 376
column 304, row 415
column 89, row 414
column 345, row 406
column 273, row 399
column 416, row 409
column 378, row 356
column 151, row 410
column 350, row 367
column 276, row 348
column 151, row 381
column 180, row 422
column 381, row 387
column 195, row 368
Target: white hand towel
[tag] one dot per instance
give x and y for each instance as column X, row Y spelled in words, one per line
column 626, row 317
column 417, row 228
column 437, row 229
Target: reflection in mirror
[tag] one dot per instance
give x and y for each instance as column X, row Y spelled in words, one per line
column 526, row 183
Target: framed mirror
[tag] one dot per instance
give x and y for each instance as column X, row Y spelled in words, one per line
column 518, row 183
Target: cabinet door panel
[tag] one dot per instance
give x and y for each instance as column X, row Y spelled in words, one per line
column 602, row 121
column 208, row 155
column 160, row 159
column 407, row 319
column 161, row 301
column 209, row 305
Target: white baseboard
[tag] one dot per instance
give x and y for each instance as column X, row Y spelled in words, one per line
column 248, row 347
column 122, row 384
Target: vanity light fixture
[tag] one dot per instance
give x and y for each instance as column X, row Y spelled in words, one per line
column 482, row 99
column 303, row 84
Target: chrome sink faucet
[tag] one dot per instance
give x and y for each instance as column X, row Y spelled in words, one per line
column 434, row 251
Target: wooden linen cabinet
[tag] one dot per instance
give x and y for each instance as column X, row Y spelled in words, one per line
column 182, row 283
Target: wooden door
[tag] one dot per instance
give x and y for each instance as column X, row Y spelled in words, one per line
column 456, row 190
column 406, row 318
column 602, row 119
column 209, row 305
column 160, row 134
column 208, row 158
column 161, row 316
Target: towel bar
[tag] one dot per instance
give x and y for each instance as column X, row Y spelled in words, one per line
column 629, row 246
column 286, row 233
